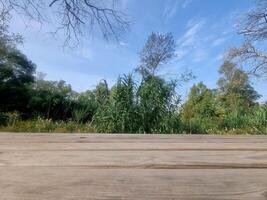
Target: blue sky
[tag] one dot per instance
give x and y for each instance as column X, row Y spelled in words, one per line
column 203, row 29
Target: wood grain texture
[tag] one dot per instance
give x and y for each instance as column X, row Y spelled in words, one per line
column 34, row 183
column 132, row 138
column 121, row 166
column 119, row 146
column 137, row 159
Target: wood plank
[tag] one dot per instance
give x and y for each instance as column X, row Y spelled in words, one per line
column 119, row 146
column 45, row 183
column 122, row 166
column 137, row 159
column 6, row 138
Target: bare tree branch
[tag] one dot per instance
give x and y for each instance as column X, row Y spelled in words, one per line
column 75, row 17
column 7, row 38
column 254, row 29
column 248, row 54
column 254, row 24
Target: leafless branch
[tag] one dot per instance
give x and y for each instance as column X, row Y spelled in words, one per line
column 74, row 17
column 248, row 54
column 254, row 24
column 254, row 29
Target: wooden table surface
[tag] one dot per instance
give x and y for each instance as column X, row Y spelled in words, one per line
column 122, row 166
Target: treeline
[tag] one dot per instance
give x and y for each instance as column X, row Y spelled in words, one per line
column 146, row 104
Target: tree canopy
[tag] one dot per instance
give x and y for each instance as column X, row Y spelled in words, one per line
column 16, row 74
column 158, row 50
column 234, row 88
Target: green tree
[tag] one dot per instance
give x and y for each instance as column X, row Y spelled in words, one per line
column 234, row 89
column 202, row 111
column 51, row 99
column 201, row 102
column 156, row 100
column 119, row 113
column 101, row 93
column 85, row 107
column 16, row 74
column 124, row 104
column 158, row 50
column 156, row 97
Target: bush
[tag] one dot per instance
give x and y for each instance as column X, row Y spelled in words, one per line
column 3, row 119
column 199, row 125
column 46, row 125
column 170, row 123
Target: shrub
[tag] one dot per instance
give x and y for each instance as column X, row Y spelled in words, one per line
column 47, row 125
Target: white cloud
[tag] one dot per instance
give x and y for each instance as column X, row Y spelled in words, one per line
column 191, row 41
column 200, row 55
column 219, row 57
column 121, row 43
column 186, row 3
column 197, row 43
column 172, row 6
column 192, row 33
column 218, row 41
column 181, row 53
column 85, row 53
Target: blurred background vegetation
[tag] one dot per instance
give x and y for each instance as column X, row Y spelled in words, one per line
column 139, row 102
column 147, row 104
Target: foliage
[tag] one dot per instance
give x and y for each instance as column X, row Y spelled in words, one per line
column 51, row 99
column 257, row 118
column 119, row 114
column 144, row 109
column 235, row 90
column 198, row 125
column 230, row 108
column 156, row 100
column 170, row 124
column 201, row 102
column 46, row 125
column 16, row 75
column 150, row 104
column 101, row 93
column 85, row 106
column 158, row 50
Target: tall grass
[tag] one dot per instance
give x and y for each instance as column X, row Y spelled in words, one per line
column 46, row 125
column 253, row 122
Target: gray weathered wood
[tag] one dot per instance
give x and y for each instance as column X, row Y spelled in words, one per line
column 121, row 166
column 118, row 146
column 137, row 159
column 80, row 183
